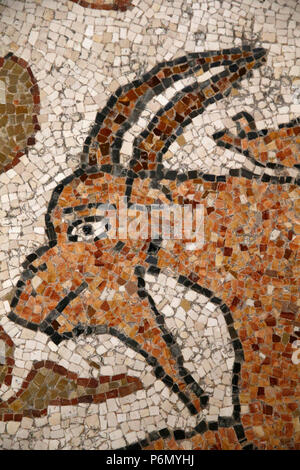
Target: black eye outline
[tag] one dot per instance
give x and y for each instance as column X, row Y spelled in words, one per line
column 86, row 221
column 87, row 229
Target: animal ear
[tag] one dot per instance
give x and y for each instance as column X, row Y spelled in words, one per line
column 102, row 146
column 224, row 138
column 244, row 122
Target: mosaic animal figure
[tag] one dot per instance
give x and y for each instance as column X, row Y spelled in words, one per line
column 19, row 108
column 272, row 148
column 85, row 282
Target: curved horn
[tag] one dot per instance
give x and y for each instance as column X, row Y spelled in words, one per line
column 102, row 146
column 168, row 123
column 124, row 107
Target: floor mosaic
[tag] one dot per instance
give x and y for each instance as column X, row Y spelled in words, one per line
column 142, row 341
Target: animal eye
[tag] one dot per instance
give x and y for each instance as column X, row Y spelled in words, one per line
column 83, row 230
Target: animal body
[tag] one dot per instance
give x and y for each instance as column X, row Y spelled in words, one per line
column 85, row 281
column 56, row 384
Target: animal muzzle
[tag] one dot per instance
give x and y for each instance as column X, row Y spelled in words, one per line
column 48, row 291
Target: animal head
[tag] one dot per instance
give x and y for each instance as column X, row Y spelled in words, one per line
column 86, row 280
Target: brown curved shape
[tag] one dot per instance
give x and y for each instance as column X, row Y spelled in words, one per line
column 189, row 103
column 19, row 111
column 121, row 5
column 51, row 384
column 99, row 149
